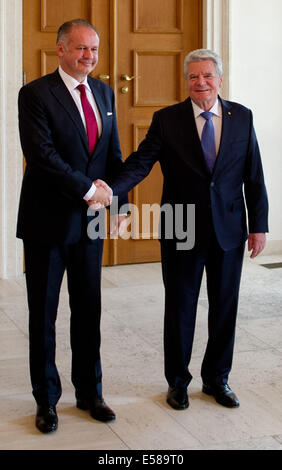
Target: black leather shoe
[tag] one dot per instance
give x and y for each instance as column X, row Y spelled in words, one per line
column 223, row 395
column 98, row 408
column 46, row 418
column 177, row 398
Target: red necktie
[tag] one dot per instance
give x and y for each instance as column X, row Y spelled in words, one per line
column 90, row 119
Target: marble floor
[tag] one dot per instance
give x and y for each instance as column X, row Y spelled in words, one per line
column 134, row 383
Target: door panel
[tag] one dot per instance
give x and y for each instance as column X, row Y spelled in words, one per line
column 164, row 16
column 155, row 90
column 145, row 39
column 54, row 12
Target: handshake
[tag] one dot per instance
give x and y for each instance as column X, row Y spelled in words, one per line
column 102, row 197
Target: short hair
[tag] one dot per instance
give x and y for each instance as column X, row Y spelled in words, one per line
column 203, row 54
column 66, row 28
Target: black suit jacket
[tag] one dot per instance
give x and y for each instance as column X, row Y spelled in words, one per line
column 59, row 171
column 220, row 198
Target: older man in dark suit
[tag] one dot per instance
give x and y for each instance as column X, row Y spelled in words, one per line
column 70, row 141
column 209, row 155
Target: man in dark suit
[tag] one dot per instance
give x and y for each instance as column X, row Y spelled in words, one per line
column 70, row 140
column 207, row 161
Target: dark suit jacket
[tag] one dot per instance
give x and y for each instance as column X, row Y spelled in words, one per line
column 219, row 198
column 59, row 171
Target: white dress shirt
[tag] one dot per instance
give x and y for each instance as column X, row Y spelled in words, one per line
column 216, row 119
column 72, row 84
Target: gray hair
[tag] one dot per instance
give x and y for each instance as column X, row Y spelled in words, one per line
column 66, row 28
column 203, row 54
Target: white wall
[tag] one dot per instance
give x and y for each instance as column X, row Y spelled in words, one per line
column 11, row 251
column 255, row 80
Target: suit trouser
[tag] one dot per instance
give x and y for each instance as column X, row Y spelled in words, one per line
column 182, row 275
column 45, row 267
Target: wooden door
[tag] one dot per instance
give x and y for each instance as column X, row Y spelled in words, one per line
column 145, row 39
column 153, row 37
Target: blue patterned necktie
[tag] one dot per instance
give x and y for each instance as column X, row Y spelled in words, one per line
column 208, row 140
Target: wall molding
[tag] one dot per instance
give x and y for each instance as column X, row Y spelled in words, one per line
column 216, row 35
column 11, row 163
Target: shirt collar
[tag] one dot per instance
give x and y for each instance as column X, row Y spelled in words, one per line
column 216, row 109
column 71, row 82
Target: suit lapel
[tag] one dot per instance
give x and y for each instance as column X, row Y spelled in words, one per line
column 62, row 94
column 226, row 132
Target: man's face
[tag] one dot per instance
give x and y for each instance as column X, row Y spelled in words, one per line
column 78, row 52
column 203, row 83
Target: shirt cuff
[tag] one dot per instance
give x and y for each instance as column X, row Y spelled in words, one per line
column 90, row 193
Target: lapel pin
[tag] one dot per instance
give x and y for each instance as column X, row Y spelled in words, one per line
column 229, row 113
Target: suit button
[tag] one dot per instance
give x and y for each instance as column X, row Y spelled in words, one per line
column 212, row 184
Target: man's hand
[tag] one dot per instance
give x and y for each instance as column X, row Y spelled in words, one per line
column 256, row 243
column 118, row 225
column 102, row 197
